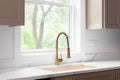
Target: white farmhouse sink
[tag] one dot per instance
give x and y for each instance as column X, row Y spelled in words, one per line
column 59, row 68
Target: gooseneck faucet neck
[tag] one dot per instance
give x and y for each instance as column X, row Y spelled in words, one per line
column 57, row 60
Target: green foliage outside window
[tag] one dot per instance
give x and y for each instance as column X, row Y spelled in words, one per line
column 42, row 25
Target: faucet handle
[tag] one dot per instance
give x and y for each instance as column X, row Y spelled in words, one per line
column 60, row 59
column 68, row 53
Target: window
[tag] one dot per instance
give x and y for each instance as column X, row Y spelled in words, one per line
column 44, row 20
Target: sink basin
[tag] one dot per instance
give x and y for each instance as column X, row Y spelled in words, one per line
column 67, row 67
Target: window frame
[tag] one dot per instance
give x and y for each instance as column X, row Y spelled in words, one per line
column 75, row 31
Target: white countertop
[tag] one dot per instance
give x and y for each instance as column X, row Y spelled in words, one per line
column 32, row 73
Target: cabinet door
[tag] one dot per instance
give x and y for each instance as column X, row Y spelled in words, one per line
column 111, row 13
column 11, row 12
column 118, row 74
column 94, row 14
column 45, row 79
column 72, row 77
column 118, row 13
column 103, row 14
column 102, row 75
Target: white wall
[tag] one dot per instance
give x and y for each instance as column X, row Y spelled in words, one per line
column 103, row 41
column 98, row 45
column 106, row 43
column 102, row 44
column 6, row 42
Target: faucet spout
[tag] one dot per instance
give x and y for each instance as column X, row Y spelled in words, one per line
column 57, row 60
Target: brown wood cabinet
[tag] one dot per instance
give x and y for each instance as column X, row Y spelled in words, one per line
column 101, row 75
column 118, row 74
column 102, row 14
column 70, row 77
column 11, row 12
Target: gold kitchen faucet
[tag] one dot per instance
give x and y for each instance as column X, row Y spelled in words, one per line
column 57, row 59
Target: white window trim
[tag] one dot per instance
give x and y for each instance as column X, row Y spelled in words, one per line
column 79, row 45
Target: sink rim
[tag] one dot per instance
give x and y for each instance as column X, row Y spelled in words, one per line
column 67, row 67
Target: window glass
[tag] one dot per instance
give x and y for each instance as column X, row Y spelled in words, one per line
column 43, row 22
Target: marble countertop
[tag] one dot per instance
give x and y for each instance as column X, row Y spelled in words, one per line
column 31, row 73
